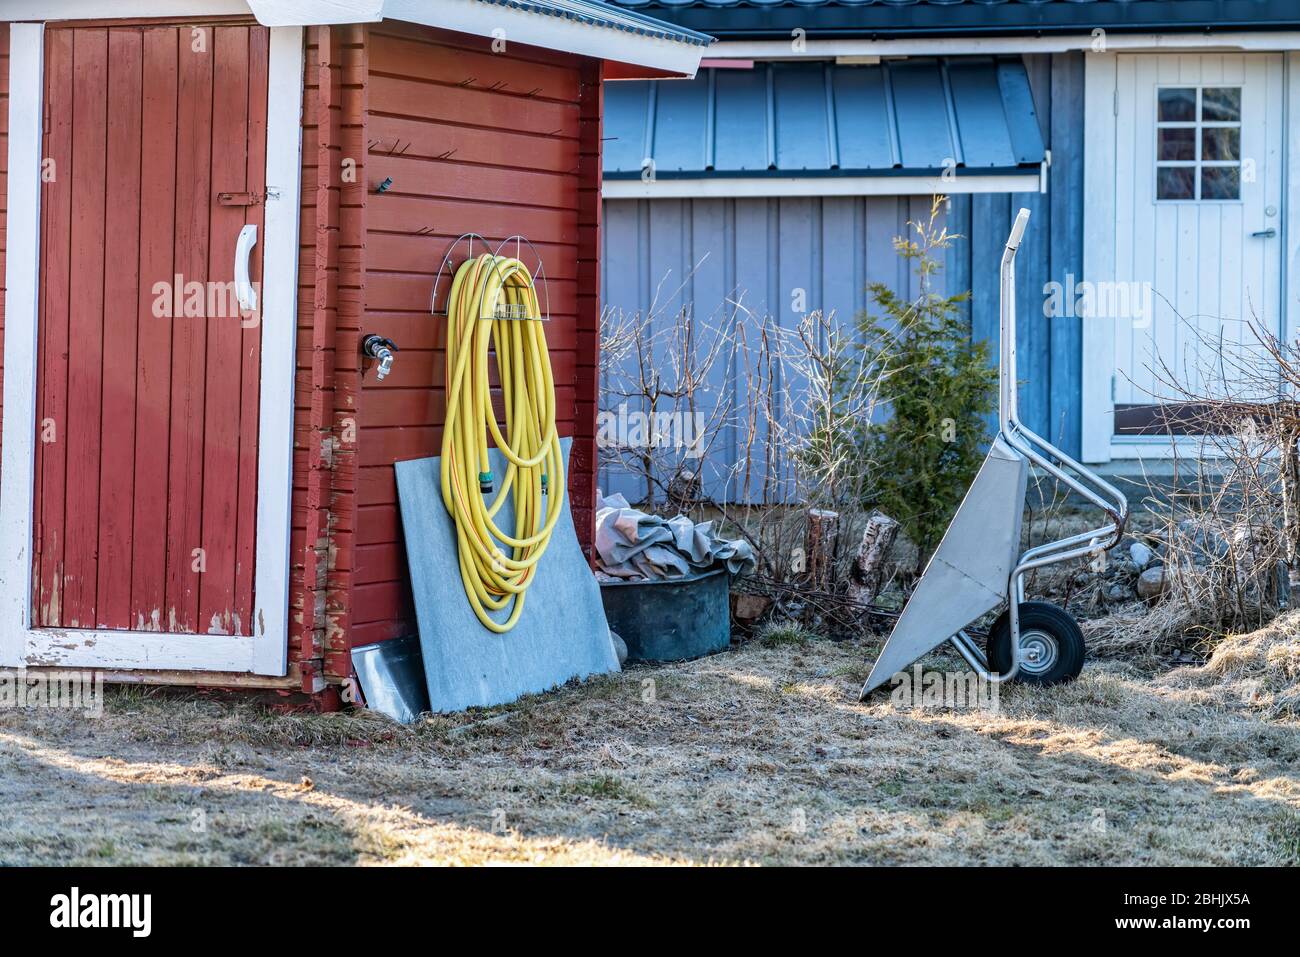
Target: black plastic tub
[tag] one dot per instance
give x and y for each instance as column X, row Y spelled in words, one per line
column 670, row 619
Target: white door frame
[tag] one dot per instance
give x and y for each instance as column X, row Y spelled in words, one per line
column 1098, row 359
column 264, row 653
column 1098, row 249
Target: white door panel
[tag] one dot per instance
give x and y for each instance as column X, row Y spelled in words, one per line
column 1198, row 171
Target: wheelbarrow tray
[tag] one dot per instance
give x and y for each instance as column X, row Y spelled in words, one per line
column 970, row 571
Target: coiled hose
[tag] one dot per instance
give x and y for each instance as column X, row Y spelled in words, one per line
column 482, row 291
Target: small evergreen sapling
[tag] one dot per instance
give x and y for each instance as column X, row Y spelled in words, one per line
column 939, row 385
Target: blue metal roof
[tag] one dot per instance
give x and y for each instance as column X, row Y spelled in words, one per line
column 915, row 116
column 734, row 19
column 601, row 14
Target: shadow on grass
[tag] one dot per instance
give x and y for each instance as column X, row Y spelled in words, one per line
column 758, row 755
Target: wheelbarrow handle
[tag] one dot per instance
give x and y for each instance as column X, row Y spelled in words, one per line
column 1018, row 229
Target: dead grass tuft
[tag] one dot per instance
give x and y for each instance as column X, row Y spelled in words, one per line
column 1258, row 669
column 165, row 716
column 1141, row 632
column 1285, row 834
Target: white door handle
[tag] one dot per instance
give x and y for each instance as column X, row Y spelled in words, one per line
column 244, row 290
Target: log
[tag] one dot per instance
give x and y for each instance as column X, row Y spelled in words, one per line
column 869, row 563
column 746, row 609
column 823, row 533
column 1290, row 473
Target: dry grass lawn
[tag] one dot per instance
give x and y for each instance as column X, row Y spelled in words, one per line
column 762, row 755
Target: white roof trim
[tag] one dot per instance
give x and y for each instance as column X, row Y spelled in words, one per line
column 289, row 13
column 554, row 33
column 37, row 10
column 474, row 17
column 1109, row 42
column 762, row 186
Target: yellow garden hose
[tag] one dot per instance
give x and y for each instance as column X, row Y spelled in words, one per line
column 493, row 303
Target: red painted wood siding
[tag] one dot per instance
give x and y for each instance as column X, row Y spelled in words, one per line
column 347, row 584
column 146, row 497
column 330, row 291
column 583, row 459
column 495, row 143
column 4, row 189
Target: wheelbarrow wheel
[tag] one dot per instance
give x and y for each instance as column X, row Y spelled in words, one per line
column 1051, row 645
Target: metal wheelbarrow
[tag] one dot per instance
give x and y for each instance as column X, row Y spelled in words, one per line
column 978, row 565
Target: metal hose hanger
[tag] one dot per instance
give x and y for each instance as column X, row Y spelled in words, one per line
column 538, row 272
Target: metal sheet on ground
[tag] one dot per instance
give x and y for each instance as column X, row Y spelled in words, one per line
column 391, row 675
column 561, row 634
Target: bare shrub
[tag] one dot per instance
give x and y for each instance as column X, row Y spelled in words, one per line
column 1228, row 526
column 660, row 371
column 800, row 395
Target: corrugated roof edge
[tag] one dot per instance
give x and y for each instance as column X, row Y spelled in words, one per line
column 735, row 19
column 783, row 119
column 839, row 172
column 596, row 13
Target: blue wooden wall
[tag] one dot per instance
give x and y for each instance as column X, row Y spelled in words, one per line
column 1048, row 349
column 707, row 255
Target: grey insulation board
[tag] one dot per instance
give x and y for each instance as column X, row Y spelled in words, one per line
column 561, row 634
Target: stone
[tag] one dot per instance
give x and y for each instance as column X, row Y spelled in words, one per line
column 1141, row 555
column 1119, row 593
column 620, row 647
column 1124, row 568
column 1151, row 582
column 747, row 608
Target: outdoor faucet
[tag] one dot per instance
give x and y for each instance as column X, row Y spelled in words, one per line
column 381, row 348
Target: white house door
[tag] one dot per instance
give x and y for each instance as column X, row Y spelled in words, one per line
column 1198, row 143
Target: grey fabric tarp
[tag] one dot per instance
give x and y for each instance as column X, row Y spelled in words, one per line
column 633, row 544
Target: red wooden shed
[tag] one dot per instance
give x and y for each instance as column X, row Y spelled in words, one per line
column 208, row 204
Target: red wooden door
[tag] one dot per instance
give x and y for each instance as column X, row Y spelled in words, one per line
column 147, row 405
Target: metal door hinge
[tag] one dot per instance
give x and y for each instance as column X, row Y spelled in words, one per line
column 45, row 119
column 239, row 199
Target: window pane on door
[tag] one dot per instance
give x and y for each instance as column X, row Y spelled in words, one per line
column 1176, row 182
column 1220, row 182
column 1218, row 143
column 1177, row 144
column 1177, row 105
column 1221, row 104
